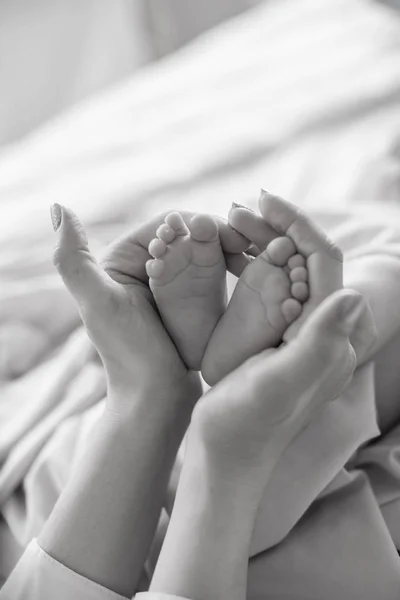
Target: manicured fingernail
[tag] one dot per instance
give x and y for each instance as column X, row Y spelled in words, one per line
column 350, row 311
column 236, row 205
column 56, row 216
column 266, row 193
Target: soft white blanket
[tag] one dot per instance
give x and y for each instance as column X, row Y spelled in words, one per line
column 299, row 96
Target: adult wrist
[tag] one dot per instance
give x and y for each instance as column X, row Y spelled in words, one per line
column 127, row 394
column 227, row 475
column 235, row 488
column 210, row 515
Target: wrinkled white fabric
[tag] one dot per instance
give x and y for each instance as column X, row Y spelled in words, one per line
column 38, row 576
column 291, row 96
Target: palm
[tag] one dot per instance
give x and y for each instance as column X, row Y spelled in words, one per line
column 141, row 343
column 134, row 306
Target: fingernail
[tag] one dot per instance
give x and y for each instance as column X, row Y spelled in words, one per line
column 236, row 205
column 56, row 216
column 266, row 193
column 350, row 311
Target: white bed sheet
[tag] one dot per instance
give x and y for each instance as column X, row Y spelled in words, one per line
column 299, row 96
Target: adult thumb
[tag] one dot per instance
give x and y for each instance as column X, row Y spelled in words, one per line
column 323, row 351
column 344, row 313
column 81, row 273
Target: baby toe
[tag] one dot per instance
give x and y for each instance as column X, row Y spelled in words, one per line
column 203, row 228
column 296, row 261
column 280, row 250
column 157, row 248
column 291, row 309
column 300, row 291
column 176, row 222
column 298, row 274
column 155, row 268
column 165, row 233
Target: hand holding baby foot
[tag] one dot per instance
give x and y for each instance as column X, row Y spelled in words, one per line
column 248, row 419
column 324, row 259
column 117, row 310
column 310, row 270
column 187, row 278
column 238, row 433
column 267, row 298
column 188, row 281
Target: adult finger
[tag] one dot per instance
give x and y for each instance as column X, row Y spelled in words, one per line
column 81, row 273
column 252, row 226
column 316, row 366
column 288, row 219
column 126, row 258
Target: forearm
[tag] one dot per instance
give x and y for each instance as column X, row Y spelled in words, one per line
column 206, row 549
column 104, row 522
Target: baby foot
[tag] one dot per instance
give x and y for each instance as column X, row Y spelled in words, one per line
column 324, row 258
column 267, row 298
column 323, row 264
column 188, row 281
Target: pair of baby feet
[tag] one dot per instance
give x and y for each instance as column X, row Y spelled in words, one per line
column 187, row 276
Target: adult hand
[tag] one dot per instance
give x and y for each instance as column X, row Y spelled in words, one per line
column 239, row 430
column 324, row 258
column 117, row 307
column 248, row 419
column 281, row 218
column 119, row 486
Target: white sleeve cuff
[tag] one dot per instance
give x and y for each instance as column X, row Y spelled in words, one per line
column 158, row 596
column 38, row 576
